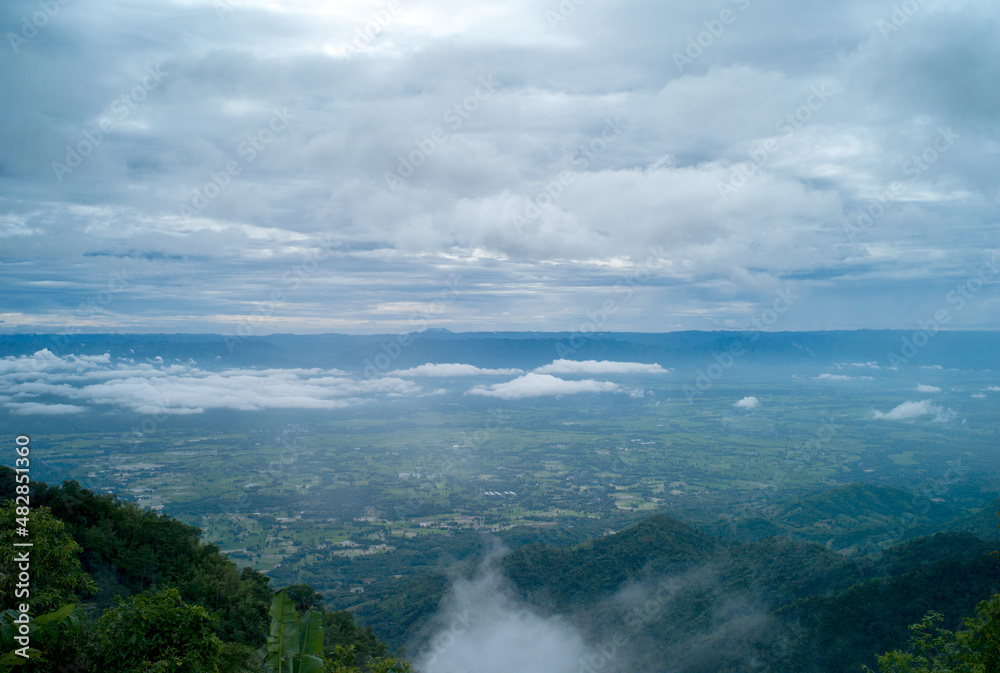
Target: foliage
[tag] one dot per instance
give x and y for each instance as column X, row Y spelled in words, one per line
column 129, row 550
column 343, row 659
column 295, row 643
column 53, row 637
column 976, row 649
column 156, row 631
column 843, row 631
column 57, row 577
column 340, row 630
column 304, row 597
column 593, row 569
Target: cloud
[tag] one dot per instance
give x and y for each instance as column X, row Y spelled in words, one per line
column 27, row 408
column 180, row 389
column 482, row 628
column 842, row 377
column 46, row 361
column 747, row 403
column 603, row 368
column 995, row 389
column 911, row 410
column 110, row 238
column 921, row 388
column 542, row 385
column 454, row 369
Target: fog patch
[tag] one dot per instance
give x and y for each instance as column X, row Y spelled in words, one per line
column 482, row 627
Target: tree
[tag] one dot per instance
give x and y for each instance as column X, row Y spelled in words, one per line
column 975, row 649
column 156, row 632
column 304, row 597
column 53, row 564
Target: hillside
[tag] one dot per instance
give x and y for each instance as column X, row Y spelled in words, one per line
column 795, row 605
column 593, row 569
column 862, row 515
column 123, row 580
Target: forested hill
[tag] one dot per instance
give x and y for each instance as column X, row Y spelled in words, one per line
column 118, row 588
column 112, row 579
column 763, row 594
column 786, row 605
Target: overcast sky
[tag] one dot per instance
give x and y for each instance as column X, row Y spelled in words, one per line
column 256, row 166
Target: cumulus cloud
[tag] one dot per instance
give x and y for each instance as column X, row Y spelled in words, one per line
column 179, row 389
column 46, row 361
column 543, row 385
column 453, row 369
column 747, row 403
column 603, row 368
column 911, row 410
column 922, row 388
column 995, row 389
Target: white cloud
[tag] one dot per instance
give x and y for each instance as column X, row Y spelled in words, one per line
column 687, row 133
column 482, row 628
column 180, row 389
column 747, row 403
column 978, row 396
column 29, row 408
column 453, row 369
column 910, row 410
column 842, row 377
column 541, row 385
column 921, row 388
column 603, row 367
column 995, row 389
column 47, row 361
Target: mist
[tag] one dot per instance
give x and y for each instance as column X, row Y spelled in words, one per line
column 482, row 627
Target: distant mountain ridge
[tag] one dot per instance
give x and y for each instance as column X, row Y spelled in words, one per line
column 380, row 353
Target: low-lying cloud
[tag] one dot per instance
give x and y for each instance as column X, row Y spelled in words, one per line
column 453, row 369
column 543, row 385
column 922, row 388
column 156, row 388
column 910, row 410
column 749, row 402
column 602, row 367
column 29, row 408
column 483, row 628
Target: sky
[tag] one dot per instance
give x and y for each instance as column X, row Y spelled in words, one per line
column 253, row 167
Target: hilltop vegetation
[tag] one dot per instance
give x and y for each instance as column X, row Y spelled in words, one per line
column 806, row 608
column 120, row 588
